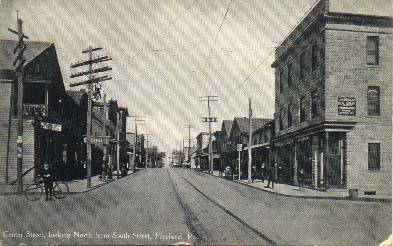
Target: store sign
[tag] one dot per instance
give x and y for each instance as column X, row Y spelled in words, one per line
column 104, row 140
column 35, row 109
column 51, row 126
column 346, row 106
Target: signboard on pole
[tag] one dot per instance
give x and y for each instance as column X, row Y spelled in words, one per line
column 239, row 147
column 346, row 106
column 51, row 126
column 102, row 140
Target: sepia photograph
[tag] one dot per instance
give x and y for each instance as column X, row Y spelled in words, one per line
column 196, row 122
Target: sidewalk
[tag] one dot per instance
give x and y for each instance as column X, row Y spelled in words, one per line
column 306, row 192
column 75, row 186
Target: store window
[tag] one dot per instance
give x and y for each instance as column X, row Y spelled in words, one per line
column 374, row 152
column 373, row 100
column 372, row 50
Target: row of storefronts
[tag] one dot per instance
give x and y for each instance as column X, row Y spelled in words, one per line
column 54, row 120
column 333, row 106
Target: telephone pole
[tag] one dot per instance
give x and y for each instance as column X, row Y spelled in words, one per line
column 189, row 141
column 249, row 141
column 210, row 119
column 147, row 148
column 18, row 64
column 136, row 120
column 92, row 79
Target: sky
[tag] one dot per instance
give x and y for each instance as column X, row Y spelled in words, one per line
column 168, row 53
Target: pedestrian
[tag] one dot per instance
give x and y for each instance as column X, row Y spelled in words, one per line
column 301, row 177
column 253, row 173
column 47, row 178
column 270, row 174
column 263, row 172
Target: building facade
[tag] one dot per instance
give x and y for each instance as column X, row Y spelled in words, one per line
column 333, row 101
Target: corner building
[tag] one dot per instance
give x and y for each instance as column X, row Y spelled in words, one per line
column 333, row 103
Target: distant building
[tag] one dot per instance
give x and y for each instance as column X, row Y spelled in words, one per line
column 202, row 156
column 334, row 98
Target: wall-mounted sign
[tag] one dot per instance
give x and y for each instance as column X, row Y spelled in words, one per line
column 35, row 109
column 51, row 126
column 99, row 140
column 346, row 105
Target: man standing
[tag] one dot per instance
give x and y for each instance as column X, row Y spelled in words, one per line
column 47, row 179
column 270, row 174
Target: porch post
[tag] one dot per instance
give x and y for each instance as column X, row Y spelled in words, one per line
column 295, row 164
column 326, row 172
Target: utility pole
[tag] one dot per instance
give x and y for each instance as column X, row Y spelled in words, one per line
column 147, row 148
column 18, row 64
column 249, row 141
column 210, row 119
column 189, row 141
column 135, row 118
column 117, row 145
column 89, row 83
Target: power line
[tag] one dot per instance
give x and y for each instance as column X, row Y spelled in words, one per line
column 218, row 33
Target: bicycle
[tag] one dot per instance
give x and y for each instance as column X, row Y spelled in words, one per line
column 34, row 192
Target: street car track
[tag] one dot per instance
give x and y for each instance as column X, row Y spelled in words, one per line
column 270, row 241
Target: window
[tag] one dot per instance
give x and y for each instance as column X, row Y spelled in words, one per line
column 302, row 65
column 314, row 104
column 373, row 98
column 374, row 156
column 289, row 75
column 289, row 115
column 372, row 50
column 281, row 82
column 314, row 56
column 281, row 126
column 302, row 109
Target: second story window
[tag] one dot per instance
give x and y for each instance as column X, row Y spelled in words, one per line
column 281, row 82
column 314, row 104
column 281, row 125
column 302, row 109
column 314, row 56
column 301, row 65
column 289, row 115
column 373, row 100
column 289, row 75
column 372, row 50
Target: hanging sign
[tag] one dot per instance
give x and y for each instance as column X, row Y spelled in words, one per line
column 51, row 126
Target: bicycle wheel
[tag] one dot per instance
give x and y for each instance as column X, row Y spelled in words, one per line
column 60, row 190
column 33, row 192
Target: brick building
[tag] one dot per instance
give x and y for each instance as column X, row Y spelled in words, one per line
column 333, row 101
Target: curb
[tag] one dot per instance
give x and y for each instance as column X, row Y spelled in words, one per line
column 362, row 199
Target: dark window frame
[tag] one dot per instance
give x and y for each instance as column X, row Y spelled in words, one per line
column 314, row 56
column 302, row 109
column 302, row 65
column 290, row 115
column 372, row 52
column 281, row 85
column 280, row 120
column 374, row 156
column 314, row 104
column 373, row 105
column 289, row 73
